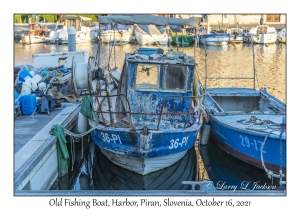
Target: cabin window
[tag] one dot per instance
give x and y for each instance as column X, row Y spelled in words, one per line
column 175, row 78
column 147, row 76
column 88, row 23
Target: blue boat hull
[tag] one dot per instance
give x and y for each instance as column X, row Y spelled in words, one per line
column 156, row 144
column 145, row 154
column 246, row 145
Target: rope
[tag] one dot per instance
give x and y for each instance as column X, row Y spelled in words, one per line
column 72, row 151
column 80, row 135
column 255, row 121
column 269, row 172
column 268, row 125
column 73, row 137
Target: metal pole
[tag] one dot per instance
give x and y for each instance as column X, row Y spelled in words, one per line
column 254, row 70
column 71, row 39
column 195, row 42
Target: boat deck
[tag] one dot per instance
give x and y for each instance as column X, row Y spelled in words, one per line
column 243, row 122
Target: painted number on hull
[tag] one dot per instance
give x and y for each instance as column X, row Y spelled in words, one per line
column 114, row 138
column 247, row 143
column 176, row 143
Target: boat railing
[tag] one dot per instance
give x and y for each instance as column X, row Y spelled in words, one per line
column 99, row 111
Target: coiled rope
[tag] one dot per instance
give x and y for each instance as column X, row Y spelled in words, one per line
column 268, row 125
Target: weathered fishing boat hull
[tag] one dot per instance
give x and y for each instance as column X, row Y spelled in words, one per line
column 245, row 145
column 108, row 176
column 144, row 154
column 142, row 166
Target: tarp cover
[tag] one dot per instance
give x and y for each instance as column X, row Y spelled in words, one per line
column 118, row 27
column 147, row 19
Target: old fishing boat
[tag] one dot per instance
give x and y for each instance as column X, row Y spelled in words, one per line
column 147, row 117
column 249, row 124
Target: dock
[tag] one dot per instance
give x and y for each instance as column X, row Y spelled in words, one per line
column 35, row 158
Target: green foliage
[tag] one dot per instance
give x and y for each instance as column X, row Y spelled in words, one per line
column 50, row 18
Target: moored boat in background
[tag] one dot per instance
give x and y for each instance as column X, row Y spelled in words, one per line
column 217, row 39
column 262, row 34
column 282, row 36
column 35, row 35
column 236, row 35
column 86, row 29
column 117, row 34
column 150, row 35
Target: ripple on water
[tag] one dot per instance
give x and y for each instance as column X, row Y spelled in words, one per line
column 225, row 61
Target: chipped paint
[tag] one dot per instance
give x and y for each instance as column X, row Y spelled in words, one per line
column 144, row 143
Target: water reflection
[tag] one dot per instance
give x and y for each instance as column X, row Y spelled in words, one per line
column 108, row 176
column 227, row 172
column 230, row 60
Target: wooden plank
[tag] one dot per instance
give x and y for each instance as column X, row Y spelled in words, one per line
column 33, row 145
column 58, row 119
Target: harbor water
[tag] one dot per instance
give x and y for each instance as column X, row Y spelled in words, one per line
column 233, row 60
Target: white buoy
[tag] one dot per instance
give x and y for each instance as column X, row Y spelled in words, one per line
column 205, row 133
column 26, row 86
column 82, row 124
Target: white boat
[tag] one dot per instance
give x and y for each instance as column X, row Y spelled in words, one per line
column 38, row 35
column 236, row 35
column 263, row 34
column 150, row 34
column 86, row 29
column 117, row 34
column 282, row 36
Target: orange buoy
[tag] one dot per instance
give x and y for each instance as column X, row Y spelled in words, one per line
column 45, row 46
